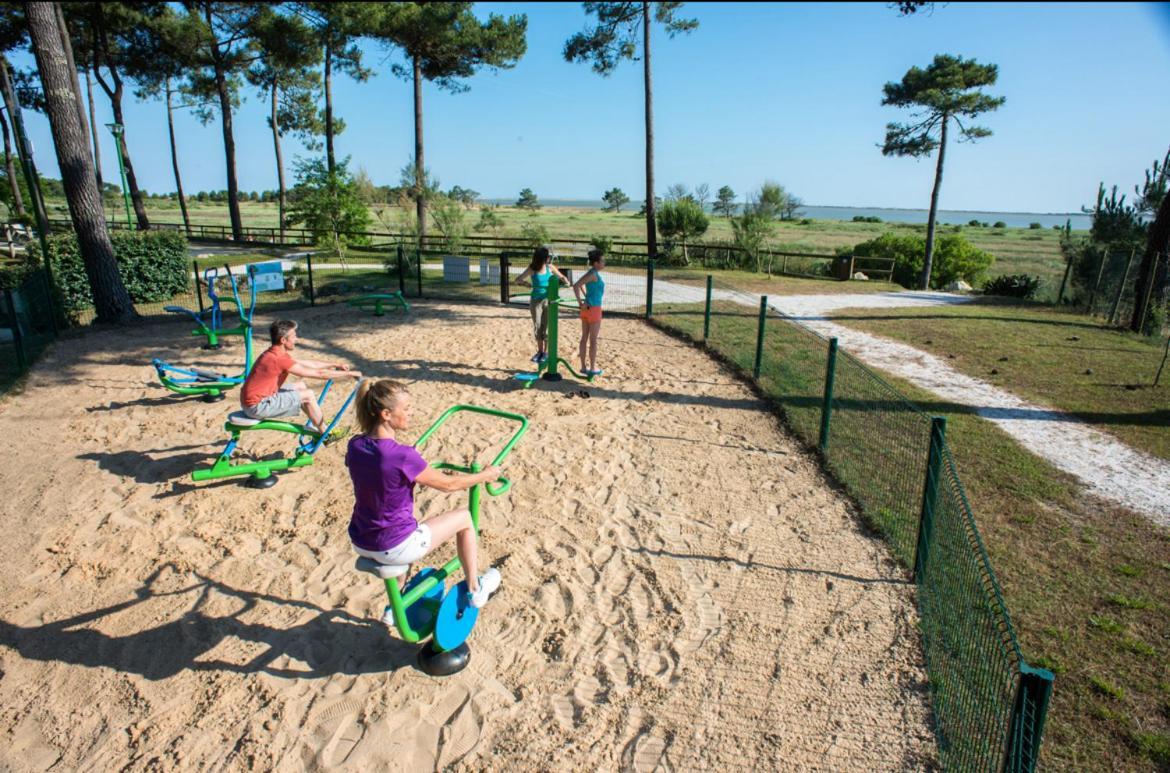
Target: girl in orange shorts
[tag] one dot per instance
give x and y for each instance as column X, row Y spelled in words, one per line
column 593, row 287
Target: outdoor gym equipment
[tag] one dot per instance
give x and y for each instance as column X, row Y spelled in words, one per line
column 425, row 607
column 212, row 328
column 547, row 370
column 375, row 302
column 210, row 385
column 309, row 439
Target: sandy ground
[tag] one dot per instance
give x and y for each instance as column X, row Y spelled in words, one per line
column 683, row 588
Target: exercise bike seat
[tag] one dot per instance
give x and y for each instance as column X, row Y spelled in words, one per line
column 384, row 571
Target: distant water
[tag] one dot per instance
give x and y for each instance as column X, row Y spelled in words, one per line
column 1080, row 221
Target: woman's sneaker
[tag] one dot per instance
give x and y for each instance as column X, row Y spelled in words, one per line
column 489, row 581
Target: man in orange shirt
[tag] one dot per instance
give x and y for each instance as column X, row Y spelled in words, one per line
column 266, row 396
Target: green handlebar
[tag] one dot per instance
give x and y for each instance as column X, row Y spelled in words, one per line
column 503, row 483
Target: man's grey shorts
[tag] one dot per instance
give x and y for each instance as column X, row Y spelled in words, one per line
column 284, row 403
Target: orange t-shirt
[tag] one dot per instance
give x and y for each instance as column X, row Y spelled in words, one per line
column 267, row 376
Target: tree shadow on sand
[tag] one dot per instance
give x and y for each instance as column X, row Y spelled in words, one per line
column 328, row 643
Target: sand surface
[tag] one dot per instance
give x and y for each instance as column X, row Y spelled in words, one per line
column 683, row 588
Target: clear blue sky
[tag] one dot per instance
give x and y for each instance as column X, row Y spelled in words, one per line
column 759, row 91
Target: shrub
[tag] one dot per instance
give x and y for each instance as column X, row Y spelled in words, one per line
column 452, row 224
column 954, row 258
column 999, row 224
column 806, row 221
column 974, row 223
column 683, row 219
column 603, row 243
column 153, row 265
column 866, row 219
column 1013, row 286
column 534, row 234
column 1035, row 226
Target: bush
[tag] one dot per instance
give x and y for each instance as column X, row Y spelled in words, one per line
column 533, row 234
column 999, row 224
column 954, row 258
column 806, row 221
column 1013, row 286
column 153, row 265
column 603, row 243
column 683, row 219
column 1035, row 226
column 974, row 223
column 866, row 219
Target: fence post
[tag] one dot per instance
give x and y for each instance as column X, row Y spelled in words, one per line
column 1100, row 272
column 1063, row 281
column 505, row 279
column 312, row 291
column 649, row 288
column 827, row 399
column 938, row 434
column 17, row 338
column 1121, row 287
column 1028, row 715
column 401, row 270
column 418, row 265
column 707, row 311
column 198, row 287
column 760, row 337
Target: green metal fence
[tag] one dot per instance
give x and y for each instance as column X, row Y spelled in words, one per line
column 27, row 326
column 989, row 705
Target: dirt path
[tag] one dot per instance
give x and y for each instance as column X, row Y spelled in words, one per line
column 682, row 586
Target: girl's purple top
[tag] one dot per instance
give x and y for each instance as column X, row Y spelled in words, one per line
column 383, row 473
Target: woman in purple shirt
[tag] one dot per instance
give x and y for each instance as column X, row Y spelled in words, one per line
column 384, row 472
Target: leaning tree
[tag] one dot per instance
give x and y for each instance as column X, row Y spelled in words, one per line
column 947, row 91
column 112, row 302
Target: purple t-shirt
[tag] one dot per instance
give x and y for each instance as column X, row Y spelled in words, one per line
column 383, row 474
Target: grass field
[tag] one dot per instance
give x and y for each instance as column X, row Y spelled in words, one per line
column 1087, row 584
column 1102, row 375
column 1017, row 250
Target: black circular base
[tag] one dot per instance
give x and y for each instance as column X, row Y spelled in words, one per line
column 211, row 346
column 444, row 663
column 550, row 376
column 214, row 398
column 268, row 482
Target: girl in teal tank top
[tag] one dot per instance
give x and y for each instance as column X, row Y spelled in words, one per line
column 593, row 287
column 539, row 272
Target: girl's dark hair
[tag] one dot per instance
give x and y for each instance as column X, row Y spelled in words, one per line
column 540, row 257
column 373, row 397
column 595, row 255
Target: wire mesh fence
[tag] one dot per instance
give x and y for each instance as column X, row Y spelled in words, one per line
column 27, row 326
column 892, row 458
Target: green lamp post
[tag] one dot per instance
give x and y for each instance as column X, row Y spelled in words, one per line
column 117, row 129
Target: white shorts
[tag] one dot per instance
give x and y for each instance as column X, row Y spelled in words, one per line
column 411, row 549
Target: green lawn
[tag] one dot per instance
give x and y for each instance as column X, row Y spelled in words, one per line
column 1088, row 586
column 1017, row 250
column 1068, row 361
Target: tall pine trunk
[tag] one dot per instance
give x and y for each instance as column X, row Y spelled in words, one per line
column 420, row 202
column 13, row 107
column 112, row 302
column 329, row 157
column 1157, row 244
column 279, row 160
column 175, row 158
column 93, row 130
column 651, row 226
column 229, row 142
column 10, row 169
column 928, row 261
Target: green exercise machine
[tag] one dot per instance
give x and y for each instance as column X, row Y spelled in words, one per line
column 211, row 385
column 260, row 474
column 548, row 370
column 425, row 607
column 376, row 302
